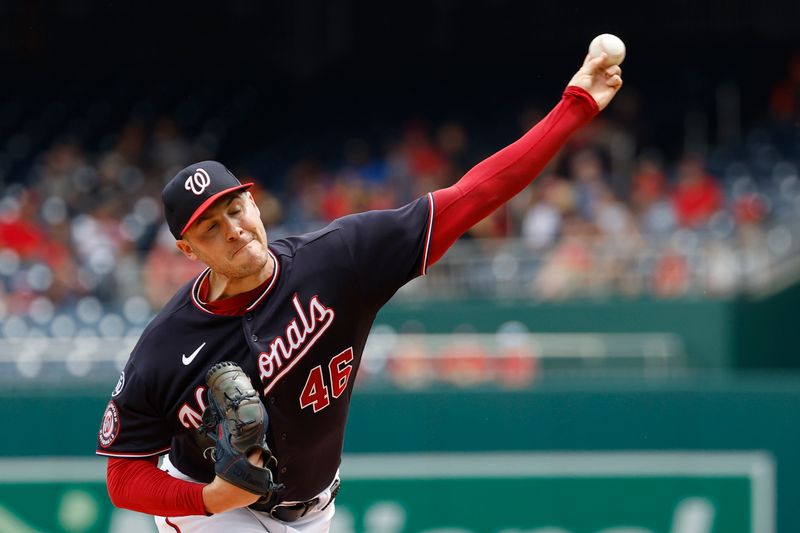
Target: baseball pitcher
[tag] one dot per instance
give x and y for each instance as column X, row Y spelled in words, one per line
column 243, row 381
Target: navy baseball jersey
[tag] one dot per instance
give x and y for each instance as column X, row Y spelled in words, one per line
column 300, row 341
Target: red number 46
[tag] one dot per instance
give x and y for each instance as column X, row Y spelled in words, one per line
column 315, row 392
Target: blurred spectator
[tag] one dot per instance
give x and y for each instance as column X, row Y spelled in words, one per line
column 617, row 243
column 587, row 172
column 614, row 219
column 650, row 201
column 359, row 165
column 305, row 192
column 169, row 150
column 19, row 227
column 100, row 243
column 516, row 362
column 721, row 269
column 60, row 258
column 649, row 182
column 697, row 193
column 568, row 268
column 542, row 221
column 615, row 134
column 426, row 164
column 784, row 101
column 61, row 173
column 671, row 276
column 749, row 209
column 131, row 142
column 464, row 363
column 452, row 141
column 495, row 226
column 411, row 366
column 342, row 197
column 166, row 269
column 268, row 204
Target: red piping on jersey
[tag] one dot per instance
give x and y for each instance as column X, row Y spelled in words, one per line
column 173, row 526
column 428, row 232
column 139, row 485
column 238, row 304
column 271, row 283
column 495, row 180
column 129, row 455
column 195, row 286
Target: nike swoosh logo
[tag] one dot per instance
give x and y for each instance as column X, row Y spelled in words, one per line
column 188, row 360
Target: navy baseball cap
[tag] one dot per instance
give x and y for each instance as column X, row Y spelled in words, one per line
column 193, row 190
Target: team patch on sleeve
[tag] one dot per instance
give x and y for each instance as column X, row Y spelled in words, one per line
column 109, row 430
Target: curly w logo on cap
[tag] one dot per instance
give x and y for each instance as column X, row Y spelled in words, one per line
column 198, row 181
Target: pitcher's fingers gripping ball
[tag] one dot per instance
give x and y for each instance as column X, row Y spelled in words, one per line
column 609, row 44
column 614, row 76
column 237, row 421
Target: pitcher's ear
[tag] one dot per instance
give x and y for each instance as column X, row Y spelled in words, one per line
column 186, row 249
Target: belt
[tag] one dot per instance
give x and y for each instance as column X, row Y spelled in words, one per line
column 291, row 511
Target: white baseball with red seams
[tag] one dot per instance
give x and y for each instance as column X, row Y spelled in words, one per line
column 611, row 45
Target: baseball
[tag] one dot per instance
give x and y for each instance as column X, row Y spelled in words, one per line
column 611, row 45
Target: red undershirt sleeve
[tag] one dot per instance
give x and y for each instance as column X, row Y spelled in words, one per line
column 139, row 485
column 498, row 178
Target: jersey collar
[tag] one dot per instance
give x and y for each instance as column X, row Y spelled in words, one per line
column 235, row 305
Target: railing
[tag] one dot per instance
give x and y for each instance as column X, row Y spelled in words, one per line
column 509, row 358
column 60, row 361
column 517, row 359
column 687, row 264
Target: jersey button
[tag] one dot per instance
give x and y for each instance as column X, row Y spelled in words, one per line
column 283, row 436
column 248, row 316
column 283, row 470
column 272, row 400
column 254, row 338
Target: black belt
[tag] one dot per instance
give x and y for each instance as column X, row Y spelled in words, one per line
column 289, row 512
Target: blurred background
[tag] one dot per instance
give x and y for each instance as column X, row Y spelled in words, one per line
column 615, row 350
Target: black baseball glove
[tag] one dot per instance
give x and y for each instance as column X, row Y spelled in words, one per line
column 237, row 421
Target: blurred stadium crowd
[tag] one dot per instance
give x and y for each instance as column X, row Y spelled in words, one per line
column 82, row 243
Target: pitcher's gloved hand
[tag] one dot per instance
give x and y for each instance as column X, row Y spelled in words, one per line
column 236, row 420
